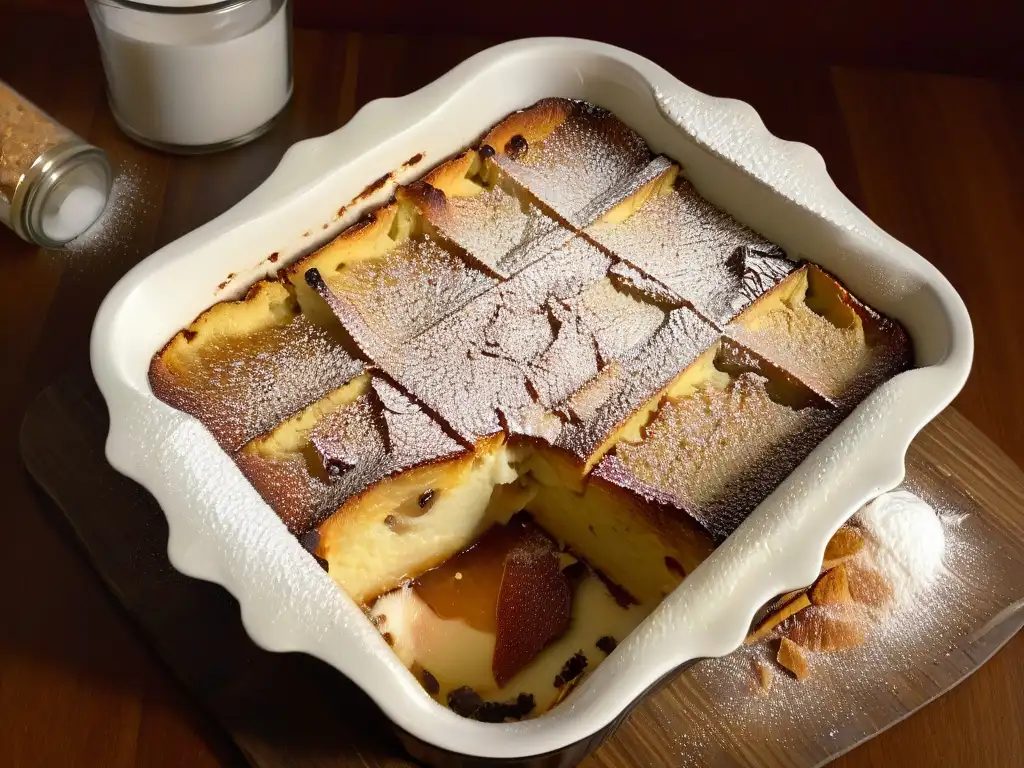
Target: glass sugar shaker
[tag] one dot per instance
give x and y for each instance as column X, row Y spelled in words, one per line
column 53, row 184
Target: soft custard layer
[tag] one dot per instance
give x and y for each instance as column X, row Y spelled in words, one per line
column 414, row 521
column 496, row 607
column 640, row 546
column 449, row 656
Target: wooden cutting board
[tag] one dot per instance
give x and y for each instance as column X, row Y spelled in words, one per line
column 292, row 710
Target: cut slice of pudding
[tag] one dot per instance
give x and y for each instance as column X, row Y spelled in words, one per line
column 643, row 546
column 408, row 523
column 720, row 448
column 244, row 366
column 813, row 328
column 507, row 628
column 475, row 205
column 566, row 153
column 658, row 223
column 340, row 446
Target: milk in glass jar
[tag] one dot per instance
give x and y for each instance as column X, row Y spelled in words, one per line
column 193, row 76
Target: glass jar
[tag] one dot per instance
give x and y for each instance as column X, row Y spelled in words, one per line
column 53, row 185
column 192, row 76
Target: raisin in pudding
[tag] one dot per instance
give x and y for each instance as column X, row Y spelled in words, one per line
column 511, row 409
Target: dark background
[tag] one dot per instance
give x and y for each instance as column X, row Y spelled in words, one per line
column 981, row 37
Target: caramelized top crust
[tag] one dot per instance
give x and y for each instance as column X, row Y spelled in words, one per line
column 816, row 330
column 522, row 344
column 409, row 289
column 369, row 238
column 244, row 366
column 534, row 124
column 605, row 402
column 501, row 227
column 567, row 153
column 668, row 232
column 720, row 450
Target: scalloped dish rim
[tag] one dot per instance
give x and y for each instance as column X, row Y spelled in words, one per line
column 780, row 188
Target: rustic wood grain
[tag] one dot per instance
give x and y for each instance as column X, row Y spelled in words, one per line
column 289, row 710
column 940, row 162
column 936, row 160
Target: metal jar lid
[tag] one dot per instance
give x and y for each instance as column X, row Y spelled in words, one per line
column 62, row 193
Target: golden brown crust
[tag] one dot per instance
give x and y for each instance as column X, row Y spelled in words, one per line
column 289, row 484
column 366, row 238
column 450, row 175
column 881, row 330
column 769, row 625
column 833, row 588
column 465, row 454
column 262, row 292
column 869, row 587
column 534, row 124
column 763, row 676
column 428, row 199
column 844, row 544
column 456, row 177
column 792, row 657
column 659, row 178
column 243, row 366
column 827, row 630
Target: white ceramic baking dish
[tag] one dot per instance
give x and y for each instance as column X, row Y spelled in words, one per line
column 220, row 529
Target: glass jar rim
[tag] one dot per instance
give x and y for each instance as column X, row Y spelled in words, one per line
column 181, row 8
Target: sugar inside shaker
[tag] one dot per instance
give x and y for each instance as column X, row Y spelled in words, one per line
column 53, row 184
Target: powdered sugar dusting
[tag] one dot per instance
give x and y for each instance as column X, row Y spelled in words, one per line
column 580, row 160
column 598, row 407
column 625, row 188
column 908, row 542
column 496, row 227
column 347, row 450
column 843, row 363
column 129, row 202
column 516, row 344
column 719, row 452
column 701, row 253
column 409, row 289
column 241, row 388
column 632, row 278
column 913, row 650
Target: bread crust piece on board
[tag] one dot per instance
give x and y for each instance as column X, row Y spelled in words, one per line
column 769, row 624
column 828, row 629
column 832, row 588
column 792, row 657
column 844, row 544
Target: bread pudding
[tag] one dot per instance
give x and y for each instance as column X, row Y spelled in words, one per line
column 511, row 409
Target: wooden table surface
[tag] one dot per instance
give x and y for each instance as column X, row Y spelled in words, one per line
column 937, row 160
